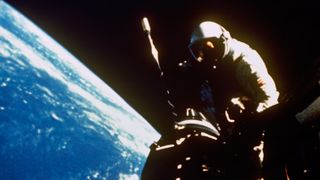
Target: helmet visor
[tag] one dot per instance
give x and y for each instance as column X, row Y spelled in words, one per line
column 207, row 49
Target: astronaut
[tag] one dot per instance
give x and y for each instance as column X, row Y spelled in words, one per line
column 225, row 58
column 236, row 86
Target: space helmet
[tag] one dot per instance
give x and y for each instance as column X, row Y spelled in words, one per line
column 209, row 40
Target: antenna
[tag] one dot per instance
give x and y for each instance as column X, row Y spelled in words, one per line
column 146, row 28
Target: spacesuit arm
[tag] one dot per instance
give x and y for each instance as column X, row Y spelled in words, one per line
column 255, row 79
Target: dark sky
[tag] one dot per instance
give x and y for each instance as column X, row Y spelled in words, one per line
column 106, row 36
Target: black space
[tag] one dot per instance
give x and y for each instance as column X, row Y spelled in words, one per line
column 107, row 37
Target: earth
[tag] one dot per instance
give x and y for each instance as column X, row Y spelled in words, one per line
column 58, row 120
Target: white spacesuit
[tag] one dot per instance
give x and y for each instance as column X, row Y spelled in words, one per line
column 212, row 46
column 239, row 87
